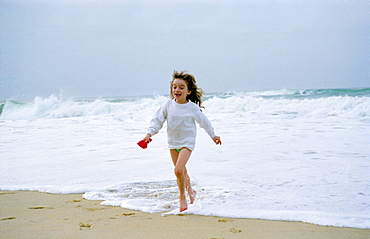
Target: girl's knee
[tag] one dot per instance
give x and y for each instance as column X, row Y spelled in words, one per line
column 179, row 172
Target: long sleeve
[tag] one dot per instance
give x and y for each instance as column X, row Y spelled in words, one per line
column 181, row 124
column 158, row 120
column 205, row 124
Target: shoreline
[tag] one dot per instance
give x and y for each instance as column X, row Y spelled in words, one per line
column 31, row 214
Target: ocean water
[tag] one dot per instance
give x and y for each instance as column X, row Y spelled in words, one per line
column 296, row 155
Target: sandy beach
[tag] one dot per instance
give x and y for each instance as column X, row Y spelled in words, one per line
column 25, row 214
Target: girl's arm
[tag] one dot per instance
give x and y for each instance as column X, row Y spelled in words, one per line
column 204, row 123
column 157, row 122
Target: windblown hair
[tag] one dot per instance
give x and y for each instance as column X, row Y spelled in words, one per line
column 196, row 93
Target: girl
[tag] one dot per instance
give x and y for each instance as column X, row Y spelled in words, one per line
column 181, row 113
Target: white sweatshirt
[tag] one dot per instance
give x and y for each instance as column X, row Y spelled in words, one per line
column 181, row 128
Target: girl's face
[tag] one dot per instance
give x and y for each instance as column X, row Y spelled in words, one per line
column 180, row 91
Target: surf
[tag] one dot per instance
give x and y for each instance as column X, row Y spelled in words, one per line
column 297, row 103
column 295, row 155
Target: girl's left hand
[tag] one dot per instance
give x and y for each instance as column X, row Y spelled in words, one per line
column 217, row 140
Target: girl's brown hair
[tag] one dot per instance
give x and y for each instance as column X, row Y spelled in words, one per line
column 196, row 93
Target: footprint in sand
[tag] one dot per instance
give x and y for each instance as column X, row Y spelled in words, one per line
column 234, row 230
column 84, row 225
column 38, row 208
column 225, row 220
column 128, row 214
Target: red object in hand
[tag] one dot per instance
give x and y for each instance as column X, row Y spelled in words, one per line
column 144, row 144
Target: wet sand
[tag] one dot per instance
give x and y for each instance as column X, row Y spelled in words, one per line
column 25, row 214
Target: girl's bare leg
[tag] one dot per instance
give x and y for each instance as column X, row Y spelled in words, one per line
column 183, row 180
column 190, row 190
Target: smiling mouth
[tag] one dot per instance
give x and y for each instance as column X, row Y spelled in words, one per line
column 177, row 95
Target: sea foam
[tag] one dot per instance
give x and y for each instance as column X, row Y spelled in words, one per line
column 286, row 155
column 274, row 103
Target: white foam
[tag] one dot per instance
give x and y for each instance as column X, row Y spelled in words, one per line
column 281, row 159
column 59, row 107
column 342, row 106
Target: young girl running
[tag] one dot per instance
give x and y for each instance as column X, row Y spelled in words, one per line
column 181, row 113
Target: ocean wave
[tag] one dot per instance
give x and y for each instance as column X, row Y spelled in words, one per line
column 293, row 157
column 325, row 103
column 59, row 107
column 343, row 106
column 295, row 93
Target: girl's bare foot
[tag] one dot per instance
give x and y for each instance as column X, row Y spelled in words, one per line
column 192, row 196
column 183, row 204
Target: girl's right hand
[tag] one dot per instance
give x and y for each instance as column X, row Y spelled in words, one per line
column 147, row 138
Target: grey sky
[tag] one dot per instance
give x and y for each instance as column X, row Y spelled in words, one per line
column 125, row 48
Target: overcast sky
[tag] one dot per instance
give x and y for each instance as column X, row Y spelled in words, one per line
column 126, row 48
